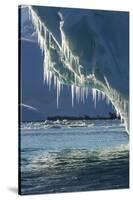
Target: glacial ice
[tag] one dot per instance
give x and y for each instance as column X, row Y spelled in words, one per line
column 64, row 67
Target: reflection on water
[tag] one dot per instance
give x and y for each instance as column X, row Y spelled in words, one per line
column 74, row 156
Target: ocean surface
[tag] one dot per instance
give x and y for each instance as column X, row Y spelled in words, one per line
column 69, row 156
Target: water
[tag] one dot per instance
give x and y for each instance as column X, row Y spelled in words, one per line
column 68, row 156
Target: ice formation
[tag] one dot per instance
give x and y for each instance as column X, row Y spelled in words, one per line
column 62, row 66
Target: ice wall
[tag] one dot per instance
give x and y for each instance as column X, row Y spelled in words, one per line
column 102, row 71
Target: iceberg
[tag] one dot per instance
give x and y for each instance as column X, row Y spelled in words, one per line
column 86, row 49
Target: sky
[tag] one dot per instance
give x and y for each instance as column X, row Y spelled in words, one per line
column 37, row 101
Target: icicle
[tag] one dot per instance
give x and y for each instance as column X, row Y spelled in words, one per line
column 83, row 94
column 125, row 106
column 49, row 80
column 29, row 13
column 54, row 81
column 107, row 83
column 77, row 93
column 72, row 93
column 99, row 94
column 86, row 92
column 58, row 85
column 107, row 100
column 103, row 96
column 49, row 40
column 94, row 96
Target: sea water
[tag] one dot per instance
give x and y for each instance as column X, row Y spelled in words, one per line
column 70, row 156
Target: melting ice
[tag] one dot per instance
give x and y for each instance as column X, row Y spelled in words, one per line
column 79, row 91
